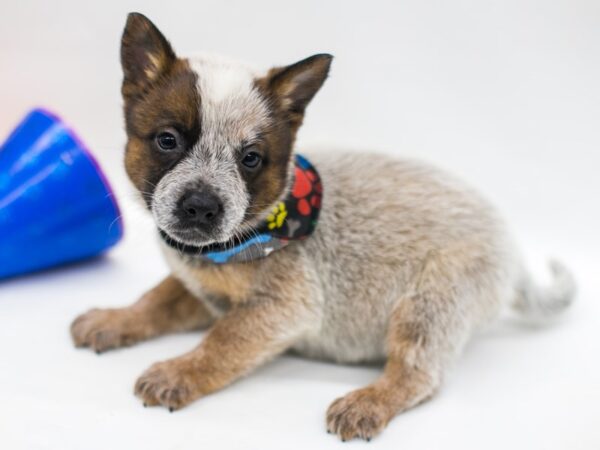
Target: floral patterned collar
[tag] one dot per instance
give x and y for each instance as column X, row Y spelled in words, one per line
column 294, row 218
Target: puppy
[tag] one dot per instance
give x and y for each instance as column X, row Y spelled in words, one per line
column 344, row 257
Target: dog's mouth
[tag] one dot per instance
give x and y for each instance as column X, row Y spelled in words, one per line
column 193, row 250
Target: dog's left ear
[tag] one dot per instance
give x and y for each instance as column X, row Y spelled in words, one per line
column 293, row 87
column 146, row 54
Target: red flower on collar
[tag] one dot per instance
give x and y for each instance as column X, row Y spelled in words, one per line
column 307, row 191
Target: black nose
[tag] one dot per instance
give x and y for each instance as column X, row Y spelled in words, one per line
column 199, row 208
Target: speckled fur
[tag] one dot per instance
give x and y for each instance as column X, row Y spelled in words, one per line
column 406, row 262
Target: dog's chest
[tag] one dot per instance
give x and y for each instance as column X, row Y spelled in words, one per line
column 217, row 286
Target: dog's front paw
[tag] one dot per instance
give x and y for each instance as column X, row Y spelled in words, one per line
column 172, row 384
column 104, row 329
column 360, row 414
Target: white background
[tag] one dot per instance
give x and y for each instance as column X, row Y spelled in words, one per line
column 506, row 94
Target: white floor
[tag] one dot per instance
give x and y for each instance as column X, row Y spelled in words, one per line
column 514, row 387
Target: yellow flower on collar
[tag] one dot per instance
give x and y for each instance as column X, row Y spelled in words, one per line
column 277, row 216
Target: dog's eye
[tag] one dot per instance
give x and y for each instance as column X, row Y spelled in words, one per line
column 251, row 159
column 166, row 140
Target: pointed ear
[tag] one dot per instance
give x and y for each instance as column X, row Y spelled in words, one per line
column 293, row 87
column 145, row 54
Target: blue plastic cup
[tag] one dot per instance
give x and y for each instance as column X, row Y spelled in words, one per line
column 56, row 206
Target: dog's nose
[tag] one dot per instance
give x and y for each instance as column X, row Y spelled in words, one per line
column 200, row 207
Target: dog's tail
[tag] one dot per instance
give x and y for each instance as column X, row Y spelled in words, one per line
column 539, row 303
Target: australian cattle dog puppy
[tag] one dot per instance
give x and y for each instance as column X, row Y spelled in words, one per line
column 347, row 257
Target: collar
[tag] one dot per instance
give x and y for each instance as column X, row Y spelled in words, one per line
column 293, row 218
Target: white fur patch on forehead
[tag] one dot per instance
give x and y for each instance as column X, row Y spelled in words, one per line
column 222, row 77
column 231, row 106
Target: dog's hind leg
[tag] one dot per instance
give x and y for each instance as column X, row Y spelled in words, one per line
column 167, row 308
column 426, row 329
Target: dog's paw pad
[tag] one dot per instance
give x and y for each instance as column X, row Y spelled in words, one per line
column 168, row 384
column 102, row 329
column 360, row 414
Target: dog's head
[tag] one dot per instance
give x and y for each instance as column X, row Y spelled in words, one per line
column 209, row 140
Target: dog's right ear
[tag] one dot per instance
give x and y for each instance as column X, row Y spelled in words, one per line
column 146, row 55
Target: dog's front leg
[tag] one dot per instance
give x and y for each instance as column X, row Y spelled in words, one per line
column 167, row 308
column 244, row 338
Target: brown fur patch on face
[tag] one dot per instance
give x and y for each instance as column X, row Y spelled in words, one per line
column 287, row 91
column 172, row 102
column 159, row 92
column 268, row 184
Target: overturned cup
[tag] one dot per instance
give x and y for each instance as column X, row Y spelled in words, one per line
column 56, row 206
